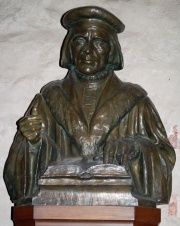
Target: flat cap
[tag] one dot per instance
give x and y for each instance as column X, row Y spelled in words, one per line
column 76, row 15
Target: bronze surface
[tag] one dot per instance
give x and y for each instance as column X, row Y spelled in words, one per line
column 80, row 134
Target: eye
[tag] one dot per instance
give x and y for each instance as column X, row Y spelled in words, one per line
column 79, row 40
column 99, row 41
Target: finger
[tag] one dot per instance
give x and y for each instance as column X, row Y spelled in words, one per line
column 124, row 154
column 35, row 108
column 109, row 152
column 26, row 119
column 119, row 153
column 31, row 129
column 35, row 140
column 112, row 150
column 33, row 136
column 34, row 111
column 106, row 152
column 29, row 124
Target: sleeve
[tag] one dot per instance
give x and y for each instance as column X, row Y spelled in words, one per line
column 153, row 159
column 25, row 164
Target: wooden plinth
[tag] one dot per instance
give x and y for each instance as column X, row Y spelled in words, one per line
column 85, row 216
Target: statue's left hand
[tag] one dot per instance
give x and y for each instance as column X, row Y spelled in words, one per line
column 119, row 151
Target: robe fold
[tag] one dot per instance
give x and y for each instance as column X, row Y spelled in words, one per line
column 123, row 111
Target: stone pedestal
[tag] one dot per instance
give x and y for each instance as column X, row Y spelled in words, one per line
column 85, row 216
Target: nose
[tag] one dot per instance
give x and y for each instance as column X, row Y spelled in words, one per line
column 89, row 47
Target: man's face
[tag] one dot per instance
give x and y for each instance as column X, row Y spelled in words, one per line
column 90, row 50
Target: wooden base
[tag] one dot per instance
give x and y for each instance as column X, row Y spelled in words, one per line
column 85, row 216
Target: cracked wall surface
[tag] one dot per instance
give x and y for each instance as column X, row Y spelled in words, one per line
column 30, row 39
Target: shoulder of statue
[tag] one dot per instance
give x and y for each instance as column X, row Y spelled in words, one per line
column 51, row 88
column 134, row 89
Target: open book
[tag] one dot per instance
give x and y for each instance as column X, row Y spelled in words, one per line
column 76, row 168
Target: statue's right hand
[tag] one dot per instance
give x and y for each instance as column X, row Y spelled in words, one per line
column 31, row 126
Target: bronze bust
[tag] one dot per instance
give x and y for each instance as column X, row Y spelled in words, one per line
column 90, row 128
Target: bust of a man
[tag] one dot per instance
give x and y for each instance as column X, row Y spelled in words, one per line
column 91, row 115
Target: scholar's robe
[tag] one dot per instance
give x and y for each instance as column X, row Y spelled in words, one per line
column 123, row 110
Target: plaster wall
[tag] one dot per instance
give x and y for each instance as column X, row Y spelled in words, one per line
column 30, row 39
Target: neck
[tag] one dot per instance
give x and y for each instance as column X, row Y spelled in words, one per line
column 93, row 78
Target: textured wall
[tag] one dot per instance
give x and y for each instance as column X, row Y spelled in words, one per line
column 30, row 37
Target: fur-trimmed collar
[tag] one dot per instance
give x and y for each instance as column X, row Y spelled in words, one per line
column 117, row 99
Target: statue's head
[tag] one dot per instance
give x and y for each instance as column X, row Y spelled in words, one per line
column 91, row 45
